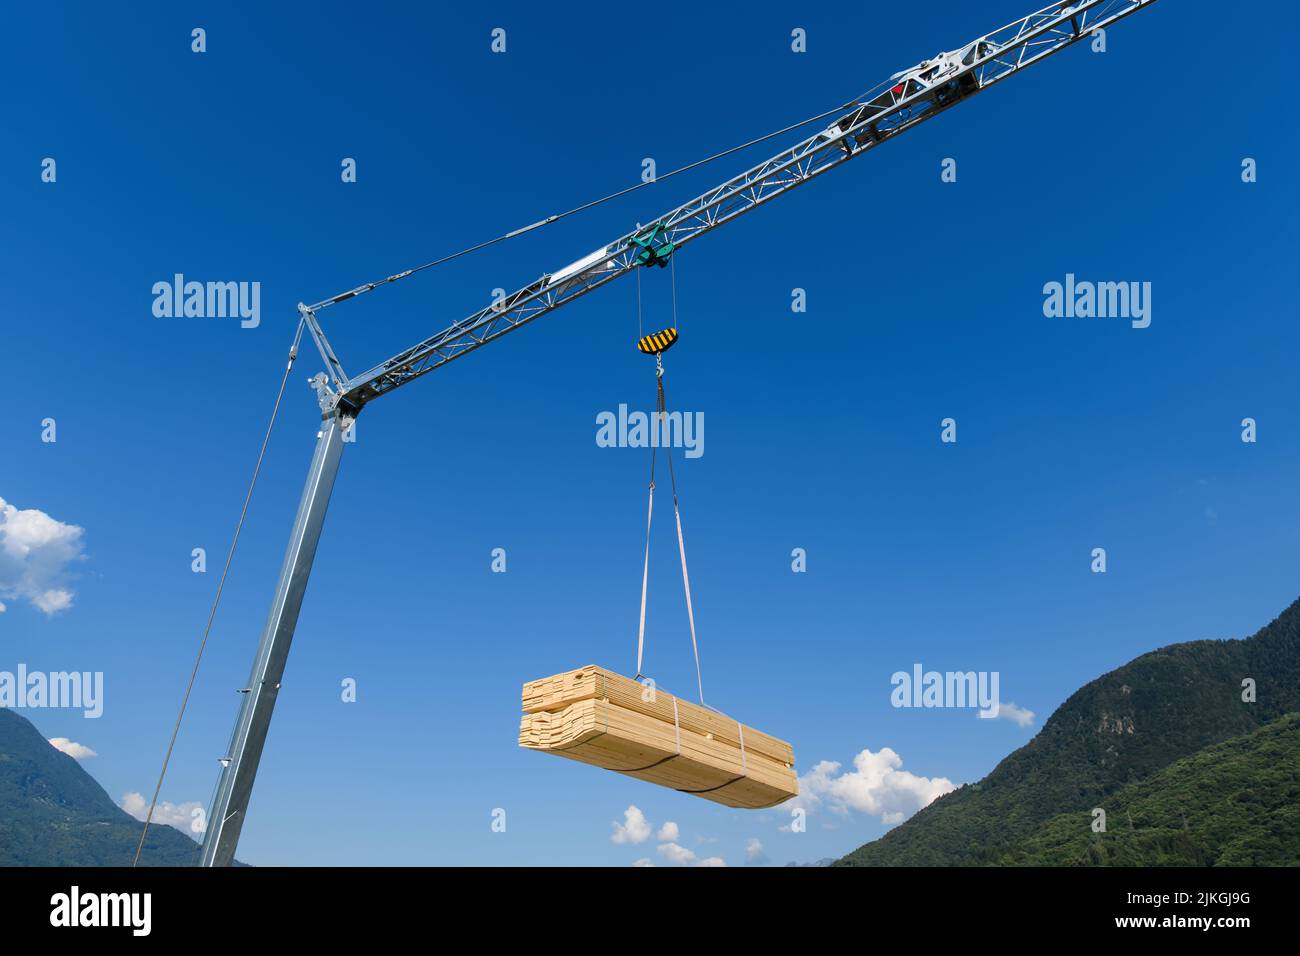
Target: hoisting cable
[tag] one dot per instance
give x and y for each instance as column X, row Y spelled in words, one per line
column 661, row 415
column 672, row 269
column 370, row 286
column 230, row 555
column 639, row 332
column 645, row 570
column 681, row 547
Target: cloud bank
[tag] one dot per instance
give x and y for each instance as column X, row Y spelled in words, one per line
column 1008, row 710
column 36, row 553
column 73, row 749
column 635, row 828
column 875, row 786
column 178, row 815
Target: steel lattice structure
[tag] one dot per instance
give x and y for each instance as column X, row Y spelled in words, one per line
column 911, row 98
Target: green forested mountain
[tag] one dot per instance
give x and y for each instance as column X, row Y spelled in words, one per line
column 1234, row 804
column 53, row 813
column 1117, row 730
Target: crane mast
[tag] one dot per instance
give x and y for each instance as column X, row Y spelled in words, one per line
column 907, row 99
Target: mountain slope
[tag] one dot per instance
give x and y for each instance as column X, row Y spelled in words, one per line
column 1234, row 804
column 1121, row 728
column 53, row 813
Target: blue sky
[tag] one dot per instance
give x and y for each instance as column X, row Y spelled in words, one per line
column 822, row 428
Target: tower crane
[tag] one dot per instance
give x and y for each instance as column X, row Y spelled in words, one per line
column 910, row 97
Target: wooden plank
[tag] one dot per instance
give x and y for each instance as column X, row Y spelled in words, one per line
column 595, row 732
column 597, row 717
column 551, row 693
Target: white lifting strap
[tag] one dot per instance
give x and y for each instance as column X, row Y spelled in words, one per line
column 645, row 579
column 690, row 611
column 681, row 549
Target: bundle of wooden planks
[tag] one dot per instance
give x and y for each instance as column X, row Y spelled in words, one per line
column 598, row 717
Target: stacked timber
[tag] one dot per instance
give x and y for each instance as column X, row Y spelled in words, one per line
column 597, row 717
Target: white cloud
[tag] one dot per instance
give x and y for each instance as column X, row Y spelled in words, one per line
column 635, row 828
column 1009, row 711
column 754, row 855
column 669, row 833
column 712, row 861
column 36, row 552
column 2, row 607
column 644, row 861
column 875, row 786
column 73, row 749
column 178, row 815
column 674, row 853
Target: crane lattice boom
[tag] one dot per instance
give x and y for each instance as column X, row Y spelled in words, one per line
column 911, row 97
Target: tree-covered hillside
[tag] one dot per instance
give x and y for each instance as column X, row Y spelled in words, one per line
column 1119, row 729
column 1234, row 804
column 53, row 813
